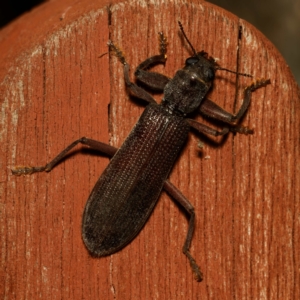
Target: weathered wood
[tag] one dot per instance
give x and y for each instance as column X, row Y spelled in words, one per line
column 245, row 190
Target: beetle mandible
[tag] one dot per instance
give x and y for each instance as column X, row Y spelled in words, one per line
column 127, row 191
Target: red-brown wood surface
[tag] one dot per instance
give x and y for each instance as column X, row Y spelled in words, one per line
column 54, row 88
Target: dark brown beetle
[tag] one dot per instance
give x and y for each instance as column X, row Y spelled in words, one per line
column 127, row 191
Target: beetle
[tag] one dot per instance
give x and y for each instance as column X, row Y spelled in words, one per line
column 128, row 189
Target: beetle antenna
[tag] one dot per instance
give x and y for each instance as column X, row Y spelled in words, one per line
column 195, row 53
column 238, row 73
column 182, row 30
column 101, row 55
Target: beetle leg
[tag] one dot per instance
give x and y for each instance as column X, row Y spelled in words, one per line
column 153, row 80
column 133, row 89
column 211, row 109
column 184, row 202
column 206, row 129
column 93, row 144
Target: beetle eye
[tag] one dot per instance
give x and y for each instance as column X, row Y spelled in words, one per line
column 191, row 60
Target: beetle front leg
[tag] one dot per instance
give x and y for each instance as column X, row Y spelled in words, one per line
column 211, row 109
column 132, row 88
column 184, row 202
column 153, row 80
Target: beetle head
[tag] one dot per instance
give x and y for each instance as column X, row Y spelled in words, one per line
column 184, row 93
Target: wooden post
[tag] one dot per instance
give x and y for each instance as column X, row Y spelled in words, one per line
column 54, row 88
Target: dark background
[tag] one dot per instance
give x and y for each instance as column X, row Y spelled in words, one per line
column 10, row 9
column 279, row 20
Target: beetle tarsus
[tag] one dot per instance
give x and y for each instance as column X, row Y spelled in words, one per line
column 117, row 52
column 242, row 130
column 18, row 171
column 195, row 268
column 163, row 44
column 257, row 84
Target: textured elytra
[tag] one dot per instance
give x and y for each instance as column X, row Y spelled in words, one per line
column 127, row 191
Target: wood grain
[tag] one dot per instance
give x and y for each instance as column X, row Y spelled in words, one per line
column 54, row 88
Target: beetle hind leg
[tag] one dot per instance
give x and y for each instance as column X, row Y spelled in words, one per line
column 184, row 202
column 93, row 144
